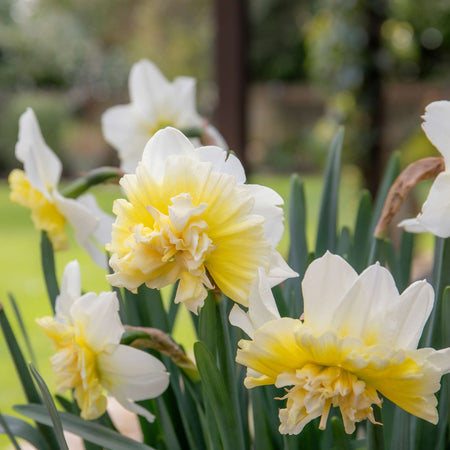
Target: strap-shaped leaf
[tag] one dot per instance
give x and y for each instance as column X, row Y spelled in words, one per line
column 298, row 253
column 218, row 398
column 91, row 431
column 51, row 408
column 22, row 327
column 23, row 430
column 361, row 237
column 48, row 268
column 26, row 380
column 326, row 232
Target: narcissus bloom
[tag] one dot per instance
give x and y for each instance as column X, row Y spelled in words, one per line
column 155, row 104
column 36, row 187
column 190, row 217
column 358, row 339
column 89, row 358
column 435, row 215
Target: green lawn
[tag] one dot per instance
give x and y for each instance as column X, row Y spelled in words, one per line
column 20, row 271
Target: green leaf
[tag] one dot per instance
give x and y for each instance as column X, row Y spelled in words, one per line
column 31, row 393
column 343, row 247
column 375, row 436
column 207, row 323
column 432, row 335
column 340, row 437
column 48, row 267
column 51, row 408
column 173, row 307
column 23, row 430
column 6, row 429
column 146, row 308
column 444, row 318
column 326, row 233
column 262, row 439
column 405, row 259
column 218, row 398
column 170, row 435
column 298, row 253
column 91, row 431
column 22, row 328
column 227, row 343
column 358, row 256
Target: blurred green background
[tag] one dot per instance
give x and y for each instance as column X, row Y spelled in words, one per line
column 371, row 65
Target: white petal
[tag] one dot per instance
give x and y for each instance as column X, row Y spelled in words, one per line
column 364, row 305
column 266, row 201
column 279, row 269
column 412, row 225
column 436, row 126
column 435, row 215
column 84, row 224
column 441, row 359
column 42, row 167
column 222, row 161
column 324, row 285
column 181, row 105
column 133, row 374
column 239, row 318
column 102, row 233
column 164, row 144
column 127, row 132
column 148, row 88
column 262, row 307
column 70, row 291
column 97, row 319
column 406, row 318
column 135, row 408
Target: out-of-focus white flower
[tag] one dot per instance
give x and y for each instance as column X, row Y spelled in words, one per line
column 36, row 187
column 359, row 338
column 435, row 215
column 155, row 104
column 89, row 358
column 190, row 217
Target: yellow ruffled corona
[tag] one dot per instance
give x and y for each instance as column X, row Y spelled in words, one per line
column 358, row 340
column 189, row 217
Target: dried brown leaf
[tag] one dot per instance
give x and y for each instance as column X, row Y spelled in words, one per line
column 423, row 169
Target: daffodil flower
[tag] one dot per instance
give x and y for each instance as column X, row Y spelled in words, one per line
column 36, row 187
column 358, row 339
column 435, row 215
column 190, row 217
column 89, row 358
column 155, row 104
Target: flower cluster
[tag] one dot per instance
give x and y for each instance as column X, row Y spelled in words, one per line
column 190, row 218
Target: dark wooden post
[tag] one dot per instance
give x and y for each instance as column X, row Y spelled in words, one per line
column 231, row 72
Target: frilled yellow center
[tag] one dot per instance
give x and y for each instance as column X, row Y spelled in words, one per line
column 329, row 370
column 44, row 213
column 75, row 367
column 316, row 388
column 192, row 225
